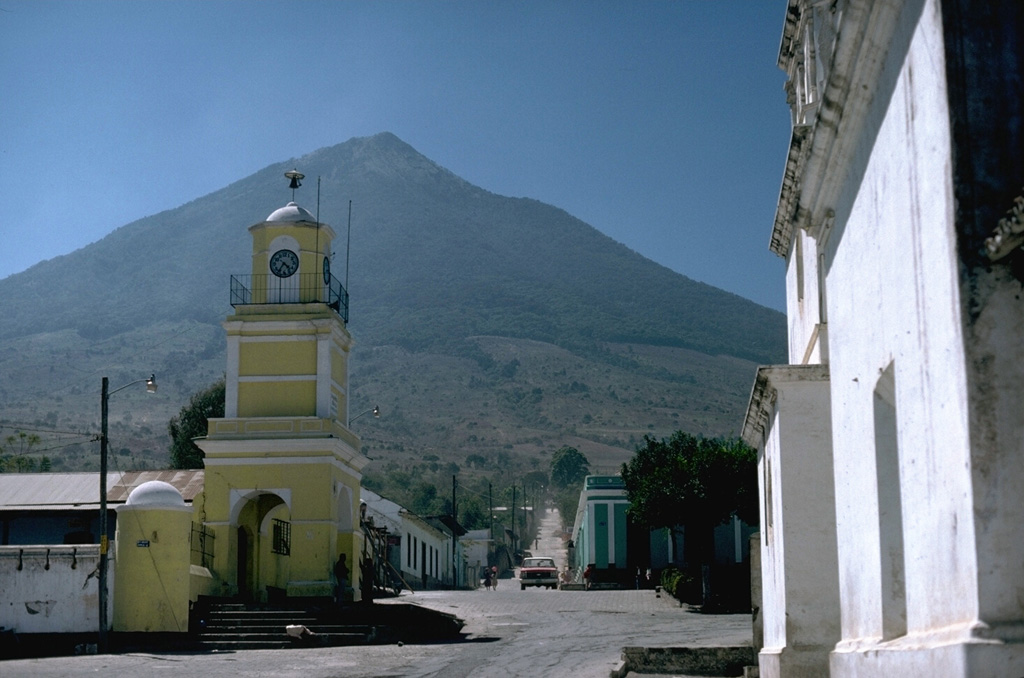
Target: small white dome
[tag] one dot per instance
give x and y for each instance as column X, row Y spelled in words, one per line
column 291, row 213
column 155, row 493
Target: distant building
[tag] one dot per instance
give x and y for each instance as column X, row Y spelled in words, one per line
column 477, row 545
column 601, row 530
column 890, row 447
column 604, row 536
column 414, row 551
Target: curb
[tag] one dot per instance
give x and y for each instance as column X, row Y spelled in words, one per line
column 693, row 661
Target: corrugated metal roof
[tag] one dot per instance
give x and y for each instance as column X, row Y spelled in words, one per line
column 53, row 489
column 189, row 483
column 26, row 491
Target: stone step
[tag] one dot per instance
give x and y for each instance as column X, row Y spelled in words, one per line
column 236, row 626
column 274, row 630
column 333, row 638
column 221, row 622
column 257, row 614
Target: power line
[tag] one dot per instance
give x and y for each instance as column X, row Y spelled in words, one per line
column 24, row 427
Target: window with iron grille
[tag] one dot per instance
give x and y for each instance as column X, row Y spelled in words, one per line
column 202, row 545
column 282, row 538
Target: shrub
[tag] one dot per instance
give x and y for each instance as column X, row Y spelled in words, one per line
column 677, row 583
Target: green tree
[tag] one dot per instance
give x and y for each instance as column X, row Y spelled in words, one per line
column 14, row 451
column 473, row 514
column 692, row 481
column 567, row 501
column 536, row 479
column 568, row 467
column 424, row 499
column 191, row 423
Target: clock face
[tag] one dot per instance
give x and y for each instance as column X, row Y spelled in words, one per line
column 284, row 263
column 327, row 271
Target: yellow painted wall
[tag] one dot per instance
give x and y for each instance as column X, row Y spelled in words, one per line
column 277, row 398
column 317, row 504
column 277, row 357
column 305, row 233
column 339, row 365
column 152, row 586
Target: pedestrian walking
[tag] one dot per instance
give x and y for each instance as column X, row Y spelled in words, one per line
column 487, row 578
column 494, row 577
column 341, row 579
column 366, row 579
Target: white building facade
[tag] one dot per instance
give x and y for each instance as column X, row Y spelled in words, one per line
column 891, row 447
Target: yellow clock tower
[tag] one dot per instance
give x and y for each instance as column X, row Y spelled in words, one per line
column 283, row 471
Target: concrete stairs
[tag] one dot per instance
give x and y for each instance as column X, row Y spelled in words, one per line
column 237, row 626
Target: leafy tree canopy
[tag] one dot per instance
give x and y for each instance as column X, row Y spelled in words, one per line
column 568, row 467
column 536, row 479
column 191, row 423
column 691, row 479
column 14, row 453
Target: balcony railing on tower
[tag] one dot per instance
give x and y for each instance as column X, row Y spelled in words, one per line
column 301, row 288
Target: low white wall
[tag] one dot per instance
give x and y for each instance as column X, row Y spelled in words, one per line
column 52, row 589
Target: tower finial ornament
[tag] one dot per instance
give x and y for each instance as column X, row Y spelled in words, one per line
column 296, row 180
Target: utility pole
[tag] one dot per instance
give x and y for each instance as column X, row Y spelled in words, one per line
column 455, row 521
column 104, row 395
column 490, row 514
column 513, row 522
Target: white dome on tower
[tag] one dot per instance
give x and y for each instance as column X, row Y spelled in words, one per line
column 291, row 213
column 155, row 493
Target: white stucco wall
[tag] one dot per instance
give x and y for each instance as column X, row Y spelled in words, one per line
column 417, row 534
column 893, row 301
column 798, row 548
column 58, row 593
column 773, row 547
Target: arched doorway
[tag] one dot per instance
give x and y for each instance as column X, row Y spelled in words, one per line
column 244, row 567
column 262, row 553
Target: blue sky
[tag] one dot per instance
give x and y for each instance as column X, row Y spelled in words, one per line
column 662, row 124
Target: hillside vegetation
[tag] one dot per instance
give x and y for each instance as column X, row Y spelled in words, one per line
column 490, row 330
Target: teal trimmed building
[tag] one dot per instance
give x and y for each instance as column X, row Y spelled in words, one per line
column 604, row 536
column 601, row 531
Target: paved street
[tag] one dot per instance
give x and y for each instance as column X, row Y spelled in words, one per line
column 536, row 633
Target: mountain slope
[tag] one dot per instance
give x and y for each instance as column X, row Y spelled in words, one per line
column 517, row 328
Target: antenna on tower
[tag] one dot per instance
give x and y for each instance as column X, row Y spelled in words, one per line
column 326, row 282
column 348, row 243
column 296, row 180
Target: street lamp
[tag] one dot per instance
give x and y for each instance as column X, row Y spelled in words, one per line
column 104, row 397
column 376, row 413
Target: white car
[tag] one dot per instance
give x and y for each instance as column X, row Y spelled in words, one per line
column 538, row 571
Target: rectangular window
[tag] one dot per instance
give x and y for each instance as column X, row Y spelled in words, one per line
column 890, row 507
column 799, row 256
column 282, row 538
column 769, row 514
